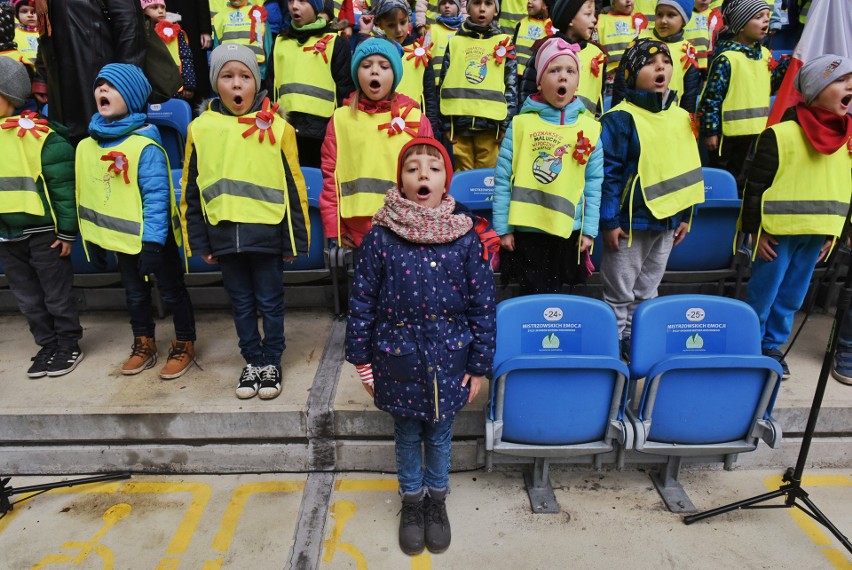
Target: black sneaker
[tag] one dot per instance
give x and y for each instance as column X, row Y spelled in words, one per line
column 270, row 382
column 41, row 361
column 779, row 356
column 437, row 523
column 411, row 535
column 249, row 382
column 65, row 360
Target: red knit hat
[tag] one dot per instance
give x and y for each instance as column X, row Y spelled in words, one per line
column 429, row 142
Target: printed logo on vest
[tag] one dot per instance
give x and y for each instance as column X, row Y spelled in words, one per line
column 477, row 64
column 621, row 28
column 534, row 32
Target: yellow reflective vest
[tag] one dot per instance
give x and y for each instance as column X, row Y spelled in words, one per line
column 590, row 86
column 669, row 168
column 439, row 35
column 811, row 191
column 530, row 31
column 413, row 70
column 547, row 182
column 474, row 85
column 21, row 172
column 511, row 12
column 233, row 26
column 240, row 179
column 27, row 43
column 366, row 169
column 615, row 32
column 697, row 32
column 745, row 109
column 173, row 44
column 648, row 8
column 305, row 81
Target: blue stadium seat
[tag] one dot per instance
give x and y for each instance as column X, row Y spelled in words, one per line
column 315, row 265
column 199, row 273
column 474, row 189
column 172, row 118
column 708, row 391
column 558, row 388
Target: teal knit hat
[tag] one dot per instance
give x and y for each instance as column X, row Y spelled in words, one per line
column 130, row 82
column 388, row 49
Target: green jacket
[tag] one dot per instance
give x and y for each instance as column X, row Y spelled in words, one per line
column 60, row 201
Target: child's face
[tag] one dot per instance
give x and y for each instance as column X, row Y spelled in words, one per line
column 583, row 24
column 395, row 24
column 624, row 6
column 482, row 12
column 236, row 87
column 237, row 3
column 701, row 5
column 157, row 12
column 27, row 16
column 667, row 21
column 6, row 108
column 656, row 74
column 424, row 178
column 301, row 12
column 535, row 7
column 448, row 9
column 837, row 96
column 559, row 81
column 755, row 29
column 110, row 103
column 375, row 77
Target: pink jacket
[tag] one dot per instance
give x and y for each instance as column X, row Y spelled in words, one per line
column 354, row 228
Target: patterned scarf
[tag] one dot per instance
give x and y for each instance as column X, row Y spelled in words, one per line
column 417, row 224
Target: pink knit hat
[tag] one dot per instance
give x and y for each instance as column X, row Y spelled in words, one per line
column 550, row 50
column 148, row 3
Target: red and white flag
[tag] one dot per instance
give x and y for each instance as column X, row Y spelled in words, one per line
column 828, row 30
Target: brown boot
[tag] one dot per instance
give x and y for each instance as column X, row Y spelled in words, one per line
column 142, row 357
column 181, row 357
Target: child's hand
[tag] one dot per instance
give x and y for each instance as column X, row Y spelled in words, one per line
column 365, row 372
column 187, row 94
column 366, row 24
column 712, row 143
column 209, row 259
column 346, row 241
column 680, row 233
column 64, row 247
column 585, row 243
column 507, row 242
column 289, row 258
column 764, row 246
column 611, row 238
column 347, row 31
column 449, row 139
column 823, row 251
column 206, row 41
column 475, row 385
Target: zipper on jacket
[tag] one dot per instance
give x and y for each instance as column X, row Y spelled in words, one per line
column 435, row 384
column 237, row 235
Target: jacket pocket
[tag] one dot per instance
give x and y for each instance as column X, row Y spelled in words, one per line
column 396, row 360
column 458, row 347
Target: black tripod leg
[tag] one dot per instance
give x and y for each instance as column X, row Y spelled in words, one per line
column 689, row 519
column 817, row 515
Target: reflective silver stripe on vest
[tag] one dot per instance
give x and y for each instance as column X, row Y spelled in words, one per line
column 815, row 207
column 478, row 94
column 304, row 89
column 543, row 199
column 700, row 42
column 618, row 47
column 18, row 183
column 232, row 36
column 671, row 185
column 110, row 222
column 614, row 58
column 593, row 107
column 741, row 114
column 242, row 190
column 523, row 50
column 365, row 186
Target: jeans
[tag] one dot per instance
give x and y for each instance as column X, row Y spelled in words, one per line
column 254, row 282
column 41, row 281
column 412, row 436
column 845, row 337
column 172, row 289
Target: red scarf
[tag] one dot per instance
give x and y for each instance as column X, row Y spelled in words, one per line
column 827, row 131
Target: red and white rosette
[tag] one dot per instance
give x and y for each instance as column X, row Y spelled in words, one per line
column 28, row 122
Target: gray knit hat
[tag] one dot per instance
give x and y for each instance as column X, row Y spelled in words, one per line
column 14, row 81
column 737, row 13
column 819, row 73
column 232, row 52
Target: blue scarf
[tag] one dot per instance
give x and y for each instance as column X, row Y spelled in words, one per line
column 101, row 129
column 452, row 22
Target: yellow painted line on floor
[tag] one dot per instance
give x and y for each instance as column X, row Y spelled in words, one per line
column 809, row 526
column 366, row 485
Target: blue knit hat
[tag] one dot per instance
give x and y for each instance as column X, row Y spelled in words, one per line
column 130, row 82
column 388, row 49
column 683, row 7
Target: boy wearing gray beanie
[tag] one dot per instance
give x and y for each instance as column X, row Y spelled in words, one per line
column 796, row 202
column 38, row 225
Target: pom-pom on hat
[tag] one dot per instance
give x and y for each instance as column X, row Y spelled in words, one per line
column 130, row 81
column 232, row 52
column 550, row 50
column 448, row 165
column 388, row 49
column 14, row 81
column 737, row 13
column 819, row 73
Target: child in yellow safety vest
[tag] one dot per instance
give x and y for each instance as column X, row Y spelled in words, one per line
column 701, row 32
column 671, row 17
column 38, row 225
column 426, row 13
column 478, row 87
column 797, row 197
column 8, row 45
column 245, row 205
column 126, row 204
column 310, row 74
column 652, row 179
column 616, row 29
column 177, row 42
column 536, row 25
column 548, row 179
column 243, row 23
column 363, row 140
column 734, row 105
column 438, row 34
column 26, row 32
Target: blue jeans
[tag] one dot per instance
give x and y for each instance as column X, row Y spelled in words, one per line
column 776, row 289
column 254, row 282
column 412, row 436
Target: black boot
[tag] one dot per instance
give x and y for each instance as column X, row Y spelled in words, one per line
column 411, row 537
column 437, row 523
